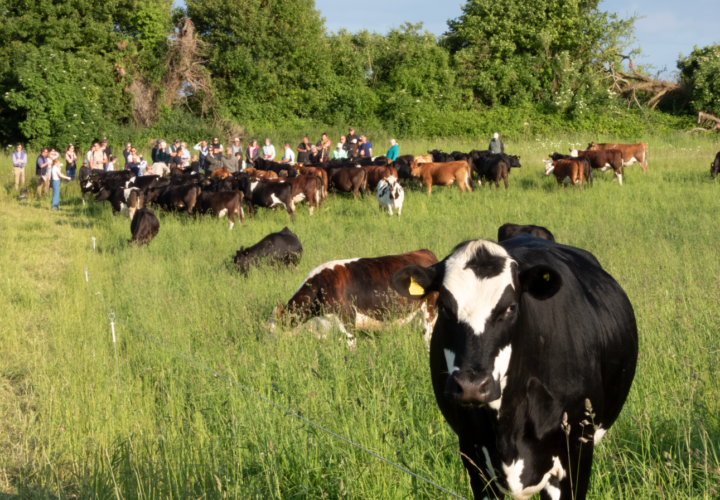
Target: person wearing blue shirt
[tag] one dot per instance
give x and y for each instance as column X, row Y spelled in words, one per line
column 365, row 148
column 19, row 160
column 42, row 172
column 394, row 151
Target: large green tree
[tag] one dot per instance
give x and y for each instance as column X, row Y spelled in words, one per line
column 700, row 73
column 514, row 52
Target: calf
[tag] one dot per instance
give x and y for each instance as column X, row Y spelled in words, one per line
column 221, row 204
column 123, row 200
column 175, row 197
column 283, row 247
column 443, row 174
column 531, row 361
column 144, row 226
column 493, row 168
column 402, row 165
column 715, row 167
column 376, row 174
column 440, row 157
column 315, row 172
column 507, row 231
column 631, row 153
column 221, row 172
column 357, row 291
column 348, row 180
column 305, row 187
column 261, row 174
column 390, row 194
column 267, row 194
column 587, row 169
column 602, row 160
column 566, row 171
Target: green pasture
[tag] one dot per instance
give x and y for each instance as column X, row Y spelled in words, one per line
column 69, row 428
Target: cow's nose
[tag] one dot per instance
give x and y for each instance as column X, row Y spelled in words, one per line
column 471, row 388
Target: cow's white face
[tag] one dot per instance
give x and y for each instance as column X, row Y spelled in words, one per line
column 479, row 287
column 549, row 167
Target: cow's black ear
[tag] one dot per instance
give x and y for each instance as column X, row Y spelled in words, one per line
column 541, row 282
column 544, row 412
column 414, row 282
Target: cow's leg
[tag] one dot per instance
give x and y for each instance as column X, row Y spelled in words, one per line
column 390, row 210
column 428, row 184
column 505, row 178
column 231, row 216
column 481, row 472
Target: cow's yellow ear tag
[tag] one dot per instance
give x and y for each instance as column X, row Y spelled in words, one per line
column 546, row 276
column 415, row 289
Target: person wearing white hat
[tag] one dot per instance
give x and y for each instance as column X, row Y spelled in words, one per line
column 496, row 145
column 236, row 146
column 339, row 153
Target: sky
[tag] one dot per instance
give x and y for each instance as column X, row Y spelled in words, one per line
column 669, row 27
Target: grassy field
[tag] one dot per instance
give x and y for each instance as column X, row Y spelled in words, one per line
column 69, row 428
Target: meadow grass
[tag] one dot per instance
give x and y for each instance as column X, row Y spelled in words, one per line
column 166, row 429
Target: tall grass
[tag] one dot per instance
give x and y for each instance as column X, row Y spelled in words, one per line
column 170, row 430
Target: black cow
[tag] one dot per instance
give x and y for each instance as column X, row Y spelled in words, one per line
column 267, row 194
column 144, row 226
column 493, row 168
column 532, row 357
column 507, row 231
column 715, row 167
column 587, row 167
column 175, row 197
column 402, row 165
column 348, row 180
column 440, row 157
column 283, row 247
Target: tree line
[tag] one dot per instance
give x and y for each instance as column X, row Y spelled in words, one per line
column 75, row 70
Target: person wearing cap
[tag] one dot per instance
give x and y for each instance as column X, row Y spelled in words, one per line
column 19, row 160
column 496, row 145
column 339, row 153
column 394, row 150
column 236, row 146
column 84, row 171
column 365, row 147
column 289, row 156
column 155, row 149
column 174, row 147
column 106, row 149
column 268, row 150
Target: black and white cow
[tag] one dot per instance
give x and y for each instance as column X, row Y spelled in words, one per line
column 267, row 194
column 123, row 200
column 390, row 194
column 529, row 334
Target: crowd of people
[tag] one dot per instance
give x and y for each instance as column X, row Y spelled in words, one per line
column 205, row 157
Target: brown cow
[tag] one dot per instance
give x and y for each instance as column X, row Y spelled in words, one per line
column 566, row 171
column 423, row 159
column 376, row 174
column 631, row 153
column 304, row 187
column 443, row 174
column 356, row 293
column 602, row 160
column 315, row 172
column 221, row 172
column 348, row 180
column 261, row 174
column 221, row 204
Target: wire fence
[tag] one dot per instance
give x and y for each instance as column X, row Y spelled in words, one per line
column 112, row 317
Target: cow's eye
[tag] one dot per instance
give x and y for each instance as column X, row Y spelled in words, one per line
column 511, row 310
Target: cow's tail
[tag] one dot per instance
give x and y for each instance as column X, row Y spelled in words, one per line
column 644, row 160
column 319, row 192
column 468, row 178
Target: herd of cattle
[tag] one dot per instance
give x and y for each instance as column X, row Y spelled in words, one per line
column 533, row 345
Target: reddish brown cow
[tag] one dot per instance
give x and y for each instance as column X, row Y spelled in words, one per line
column 221, row 204
column 348, row 180
column 315, row 172
column 602, row 160
column 566, row 171
column 221, row 172
column 631, row 153
column 376, row 174
column 442, row 174
column 356, row 293
column 261, row 174
column 305, row 188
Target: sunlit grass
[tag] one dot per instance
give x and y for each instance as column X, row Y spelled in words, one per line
column 172, row 430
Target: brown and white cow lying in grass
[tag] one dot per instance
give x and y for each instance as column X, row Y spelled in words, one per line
column 355, row 294
column 442, row 174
